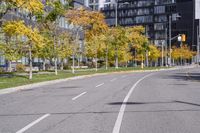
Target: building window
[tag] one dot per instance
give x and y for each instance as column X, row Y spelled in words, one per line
column 159, row 9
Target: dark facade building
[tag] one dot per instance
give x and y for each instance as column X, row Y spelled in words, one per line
column 155, row 15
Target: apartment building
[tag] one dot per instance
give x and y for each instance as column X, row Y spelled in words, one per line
column 157, row 16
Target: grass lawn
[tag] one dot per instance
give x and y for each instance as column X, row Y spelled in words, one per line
column 18, row 79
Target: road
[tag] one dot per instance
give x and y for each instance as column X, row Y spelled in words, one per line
column 149, row 102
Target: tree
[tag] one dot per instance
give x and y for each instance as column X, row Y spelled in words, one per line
column 154, row 53
column 138, row 41
column 92, row 23
column 33, row 6
column 95, row 47
column 117, row 40
column 182, row 53
column 49, row 23
column 11, row 28
column 11, row 49
column 125, row 54
column 34, row 39
column 65, row 47
column 46, row 52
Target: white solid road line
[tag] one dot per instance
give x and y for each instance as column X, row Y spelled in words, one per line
column 76, row 97
column 33, row 123
column 113, row 79
column 100, row 85
column 118, row 122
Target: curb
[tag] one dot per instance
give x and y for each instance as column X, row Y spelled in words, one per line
column 51, row 82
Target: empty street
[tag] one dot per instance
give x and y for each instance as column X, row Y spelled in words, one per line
column 146, row 102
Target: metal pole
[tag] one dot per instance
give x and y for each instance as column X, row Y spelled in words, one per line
column 198, row 44
column 116, row 21
column 146, row 52
column 181, row 54
column 166, row 61
column 162, row 54
column 170, row 43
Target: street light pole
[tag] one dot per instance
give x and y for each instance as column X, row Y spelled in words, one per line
column 116, row 6
column 162, row 54
column 198, row 43
column 170, row 43
column 116, row 23
column 166, row 48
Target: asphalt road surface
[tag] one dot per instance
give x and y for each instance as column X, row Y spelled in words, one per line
column 156, row 102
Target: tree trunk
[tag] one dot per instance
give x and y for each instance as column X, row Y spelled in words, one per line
column 116, row 58
column 73, row 60
column 55, row 57
column 142, row 64
column 147, row 58
column 30, row 63
column 73, row 64
column 9, row 66
column 126, row 64
column 155, row 64
column 96, row 64
column 62, row 64
column 78, row 61
column 96, row 61
column 44, row 64
column 56, row 66
column 106, row 57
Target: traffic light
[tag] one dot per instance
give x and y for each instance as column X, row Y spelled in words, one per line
column 183, row 37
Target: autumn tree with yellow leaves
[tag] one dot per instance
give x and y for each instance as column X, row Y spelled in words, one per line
column 32, row 6
column 139, row 42
column 11, row 49
column 19, row 28
column 182, row 54
column 154, row 54
column 92, row 23
column 33, row 39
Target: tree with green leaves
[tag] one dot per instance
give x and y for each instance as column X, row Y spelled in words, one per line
column 48, row 24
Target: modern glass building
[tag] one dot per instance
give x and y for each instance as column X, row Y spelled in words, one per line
column 156, row 16
column 97, row 4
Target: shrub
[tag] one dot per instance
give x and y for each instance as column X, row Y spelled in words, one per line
column 1, row 70
column 20, row 68
column 66, row 67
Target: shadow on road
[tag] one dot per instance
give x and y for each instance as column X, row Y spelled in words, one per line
column 185, row 76
column 100, row 112
column 143, row 103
